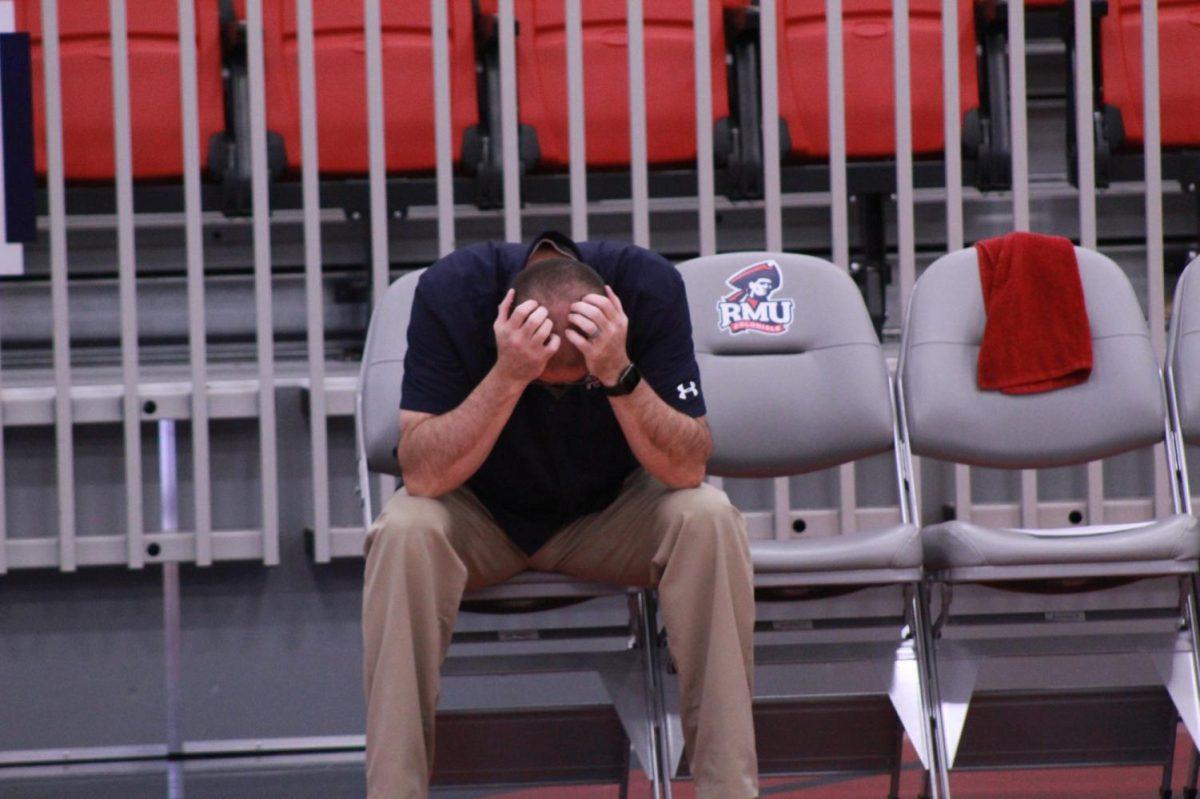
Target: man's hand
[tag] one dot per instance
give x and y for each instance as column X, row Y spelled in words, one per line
column 601, row 329
column 525, row 341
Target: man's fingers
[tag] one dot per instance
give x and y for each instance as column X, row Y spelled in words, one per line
column 554, row 343
column 603, row 303
column 612, row 296
column 582, row 344
column 522, row 311
column 535, row 319
column 592, row 312
column 585, row 325
column 506, row 304
column 543, row 332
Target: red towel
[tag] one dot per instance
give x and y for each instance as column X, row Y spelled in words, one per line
column 1037, row 336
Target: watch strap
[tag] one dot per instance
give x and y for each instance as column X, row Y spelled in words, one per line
column 626, row 383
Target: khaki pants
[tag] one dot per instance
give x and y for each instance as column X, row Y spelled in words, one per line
column 691, row 544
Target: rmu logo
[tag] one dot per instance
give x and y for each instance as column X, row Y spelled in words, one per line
column 750, row 307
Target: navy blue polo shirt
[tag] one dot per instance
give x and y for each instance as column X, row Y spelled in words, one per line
column 560, row 456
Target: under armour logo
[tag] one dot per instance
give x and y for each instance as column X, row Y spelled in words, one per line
column 690, row 388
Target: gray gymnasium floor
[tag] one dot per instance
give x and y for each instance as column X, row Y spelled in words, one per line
column 339, row 776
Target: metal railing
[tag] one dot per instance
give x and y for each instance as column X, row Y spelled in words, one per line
column 63, row 401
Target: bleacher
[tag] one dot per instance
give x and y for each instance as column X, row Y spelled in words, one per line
column 1075, row 608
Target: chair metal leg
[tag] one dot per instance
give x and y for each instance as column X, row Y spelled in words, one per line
column 1168, row 772
column 1192, row 619
column 927, row 661
column 897, row 764
column 1189, row 791
column 659, row 767
column 623, row 786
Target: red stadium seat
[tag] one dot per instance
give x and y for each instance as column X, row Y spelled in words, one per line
column 870, row 99
column 670, row 79
column 155, row 108
column 340, row 60
column 1178, row 46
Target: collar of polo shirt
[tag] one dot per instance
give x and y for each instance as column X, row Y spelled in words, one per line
column 551, row 243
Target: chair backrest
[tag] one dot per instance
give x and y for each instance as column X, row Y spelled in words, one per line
column 1119, row 408
column 794, row 377
column 1183, row 353
column 378, row 405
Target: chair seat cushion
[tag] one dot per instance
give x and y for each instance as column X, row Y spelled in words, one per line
column 959, row 544
column 893, row 548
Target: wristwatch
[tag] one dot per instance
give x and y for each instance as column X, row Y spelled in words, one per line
column 626, row 383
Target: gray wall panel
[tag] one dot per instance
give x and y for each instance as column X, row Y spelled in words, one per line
column 81, row 660
column 270, row 652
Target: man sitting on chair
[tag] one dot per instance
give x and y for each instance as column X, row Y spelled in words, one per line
column 552, row 418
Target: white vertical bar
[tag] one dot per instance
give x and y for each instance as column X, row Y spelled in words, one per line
column 127, row 284
column 1020, row 187
column 954, row 205
column 1029, row 498
column 705, row 191
column 442, row 126
column 773, row 210
column 839, row 222
column 194, row 230
column 906, row 244
column 1152, row 143
column 1086, row 171
column 576, row 129
column 953, row 125
column 313, row 293
column 639, row 191
column 168, row 482
column 375, row 149
column 1020, row 126
column 773, row 213
column 782, row 508
column 56, row 196
column 1084, row 143
column 510, row 154
column 962, row 492
column 377, row 169
column 1095, row 492
column 264, row 324
column 848, row 494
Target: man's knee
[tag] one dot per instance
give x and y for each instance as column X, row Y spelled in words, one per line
column 706, row 517
column 407, row 523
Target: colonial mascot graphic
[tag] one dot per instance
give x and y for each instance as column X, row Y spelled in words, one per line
column 749, row 307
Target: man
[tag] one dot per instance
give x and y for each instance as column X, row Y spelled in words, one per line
column 552, row 419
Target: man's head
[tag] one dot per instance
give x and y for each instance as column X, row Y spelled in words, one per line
column 555, row 281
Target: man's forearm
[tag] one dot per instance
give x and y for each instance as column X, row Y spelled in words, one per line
column 671, row 445
column 440, row 453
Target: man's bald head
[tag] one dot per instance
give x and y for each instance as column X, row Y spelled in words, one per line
column 555, row 279
column 555, row 282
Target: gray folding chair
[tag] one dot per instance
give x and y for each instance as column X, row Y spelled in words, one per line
column 1120, row 408
column 795, row 382
column 1183, row 392
column 629, row 673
